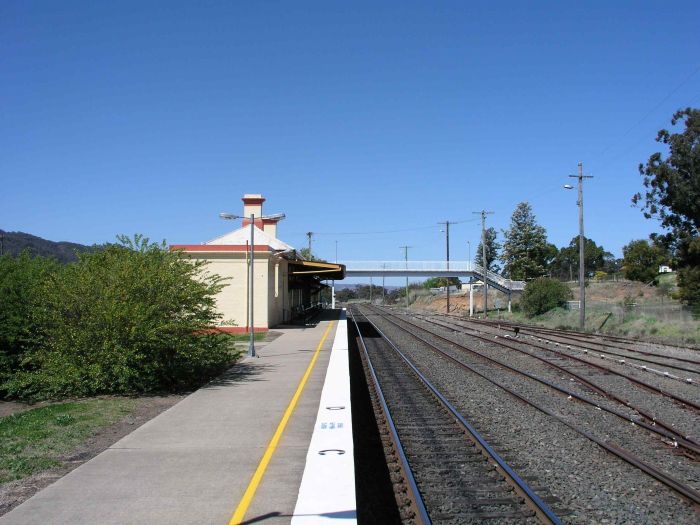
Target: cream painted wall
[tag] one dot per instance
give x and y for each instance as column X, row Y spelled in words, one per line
column 272, row 301
column 277, row 291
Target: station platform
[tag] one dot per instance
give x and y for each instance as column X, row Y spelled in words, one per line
column 268, row 442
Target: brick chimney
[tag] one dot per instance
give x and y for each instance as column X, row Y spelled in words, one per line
column 252, row 203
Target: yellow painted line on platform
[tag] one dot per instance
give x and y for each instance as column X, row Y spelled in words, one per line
column 262, row 466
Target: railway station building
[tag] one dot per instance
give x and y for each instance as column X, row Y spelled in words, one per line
column 285, row 285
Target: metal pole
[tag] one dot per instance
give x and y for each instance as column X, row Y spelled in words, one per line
column 251, row 344
column 383, row 287
column 405, row 254
column 247, row 284
column 370, row 289
column 309, row 234
column 484, row 262
column 581, row 250
column 333, row 282
column 447, row 247
column 471, row 297
column 471, row 284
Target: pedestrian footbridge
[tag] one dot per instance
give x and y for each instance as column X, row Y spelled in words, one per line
column 430, row 269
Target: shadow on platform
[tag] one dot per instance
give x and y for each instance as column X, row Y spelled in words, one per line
column 341, row 514
column 327, row 314
column 239, row 373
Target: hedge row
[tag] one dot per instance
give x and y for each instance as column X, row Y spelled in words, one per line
column 130, row 318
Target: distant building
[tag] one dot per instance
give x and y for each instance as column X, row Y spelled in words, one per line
column 665, row 269
column 285, row 285
column 443, row 289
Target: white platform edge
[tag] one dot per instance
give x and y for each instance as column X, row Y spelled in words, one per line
column 327, row 491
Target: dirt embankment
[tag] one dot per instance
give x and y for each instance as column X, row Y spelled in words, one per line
column 613, row 292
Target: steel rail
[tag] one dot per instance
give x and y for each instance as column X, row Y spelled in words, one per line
column 590, row 344
column 416, row 501
column 588, row 338
column 660, row 428
column 541, row 509
column 596, row 347
column 639, row 382
column 686, row 491
column 666, row 429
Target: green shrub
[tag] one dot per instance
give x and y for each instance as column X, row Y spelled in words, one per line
column 544, row 294
column 20, row 280
column 689, row 284
column 131, row 318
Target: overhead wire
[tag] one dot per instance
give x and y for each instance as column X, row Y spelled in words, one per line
column 650, row 112
column 382, row 232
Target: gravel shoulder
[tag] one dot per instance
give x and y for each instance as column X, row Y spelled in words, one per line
column 591, row 485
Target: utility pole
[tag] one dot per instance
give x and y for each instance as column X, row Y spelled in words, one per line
column 484, row 262
column 405, row 256
column 383, row 288
column 333, row 282
column 471, row 279
column 251, row 276
column 309, row 235
column 447, row 260
column 581, row 242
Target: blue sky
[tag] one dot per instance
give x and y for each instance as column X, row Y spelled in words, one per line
column 350, row 117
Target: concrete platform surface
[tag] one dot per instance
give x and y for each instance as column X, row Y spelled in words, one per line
column 193, row 463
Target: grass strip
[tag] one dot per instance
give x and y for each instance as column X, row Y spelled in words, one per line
column 259, row 336
column 40, row 438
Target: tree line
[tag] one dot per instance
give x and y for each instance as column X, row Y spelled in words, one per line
column 526, row 254
column 671, row 196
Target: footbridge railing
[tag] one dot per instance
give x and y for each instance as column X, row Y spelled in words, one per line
column 429, row 269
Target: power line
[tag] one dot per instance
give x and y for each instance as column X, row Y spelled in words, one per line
column 652, row 110
column 379, row 232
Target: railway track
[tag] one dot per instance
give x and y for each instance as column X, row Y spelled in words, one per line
column 449, row 472
column 427, row 338
column 558, row 352
column 650, row 422
column 595, row 341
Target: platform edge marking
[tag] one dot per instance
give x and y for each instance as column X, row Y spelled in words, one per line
column 249, row 493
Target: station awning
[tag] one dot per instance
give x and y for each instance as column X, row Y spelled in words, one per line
column 323, row 270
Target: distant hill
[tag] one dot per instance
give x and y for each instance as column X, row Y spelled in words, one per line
column 15, row 242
